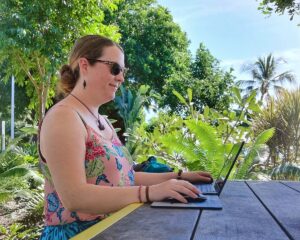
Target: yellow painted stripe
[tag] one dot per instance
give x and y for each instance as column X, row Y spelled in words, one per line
column 106, row 223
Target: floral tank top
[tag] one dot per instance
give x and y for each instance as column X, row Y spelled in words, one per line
column 107, row 163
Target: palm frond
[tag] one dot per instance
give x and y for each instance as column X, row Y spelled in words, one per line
column 206, row 135
column 244, row 83
column 259, row 143
column 180, row 97
column 209, row 141
column 279, row 89
column 18, row 171
column 287, row 76
column 182, row 146
column 265, row 136
column 257, row 75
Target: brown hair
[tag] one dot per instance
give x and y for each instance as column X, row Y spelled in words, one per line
column 90, row 46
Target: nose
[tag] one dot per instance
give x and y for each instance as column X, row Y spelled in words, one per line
column 120, row 77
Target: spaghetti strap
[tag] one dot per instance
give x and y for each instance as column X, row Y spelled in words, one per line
column 67, row 106
column 111, row 126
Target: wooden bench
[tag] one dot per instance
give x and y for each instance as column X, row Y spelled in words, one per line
column 251, row 210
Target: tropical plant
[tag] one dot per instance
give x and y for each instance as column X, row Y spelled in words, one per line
column 130, row 105
column 146, row 138
column 265, row 76
column 286, row 172
column 20, row 232
column 251, row 153
column 204, row 141
column 199, row 146
column 282, row 113
column 19, row 168
column 34, row 209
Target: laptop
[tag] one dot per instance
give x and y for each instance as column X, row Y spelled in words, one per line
column 211, row 191
column 217, row 186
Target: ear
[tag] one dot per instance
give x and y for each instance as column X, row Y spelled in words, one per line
column 83, row 66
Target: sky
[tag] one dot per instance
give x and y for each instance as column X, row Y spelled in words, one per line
column 236, row 33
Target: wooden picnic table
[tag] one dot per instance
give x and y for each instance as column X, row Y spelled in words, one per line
column 251, row 210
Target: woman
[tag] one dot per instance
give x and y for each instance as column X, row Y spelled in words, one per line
column 88, row 171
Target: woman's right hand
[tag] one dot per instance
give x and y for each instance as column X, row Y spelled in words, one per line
column 173, row 188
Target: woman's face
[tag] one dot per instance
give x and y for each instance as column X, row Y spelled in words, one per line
column 102, row 83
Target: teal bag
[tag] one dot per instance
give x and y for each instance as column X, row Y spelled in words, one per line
column 151, row 165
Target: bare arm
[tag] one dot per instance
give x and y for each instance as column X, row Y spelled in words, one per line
column 143, row 178
column 63, row 145
column 147, row 179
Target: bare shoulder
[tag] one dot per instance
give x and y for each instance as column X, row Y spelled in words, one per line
column 62, row 124
column 63, row 117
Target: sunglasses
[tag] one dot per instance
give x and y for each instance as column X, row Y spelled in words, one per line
column 115, row 68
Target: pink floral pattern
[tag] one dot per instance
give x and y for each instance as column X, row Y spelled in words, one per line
column 107, row 163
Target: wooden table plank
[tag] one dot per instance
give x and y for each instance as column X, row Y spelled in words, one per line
column 153, row 224
column 107, row 222
column 243, row 217
column 283, row 202
column 294, row 185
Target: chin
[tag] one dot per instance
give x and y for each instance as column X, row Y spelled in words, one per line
column 110, row 98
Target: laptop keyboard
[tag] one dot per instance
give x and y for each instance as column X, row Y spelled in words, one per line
column 206, row 188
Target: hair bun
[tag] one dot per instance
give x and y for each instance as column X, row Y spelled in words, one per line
column 66, row 69
column 67, row 79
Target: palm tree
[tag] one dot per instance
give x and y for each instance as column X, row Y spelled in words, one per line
column 283, row 114
column 265, row 77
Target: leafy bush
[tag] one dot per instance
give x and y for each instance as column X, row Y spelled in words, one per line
column 34, row 208
column 20, row 232
column 19, row 168
column 282, row 113
column 202, row 141
column 286, row 172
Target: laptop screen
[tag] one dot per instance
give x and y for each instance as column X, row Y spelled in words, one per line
column 228, row 166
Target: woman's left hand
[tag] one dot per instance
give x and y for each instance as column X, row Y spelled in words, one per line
column 197, row 176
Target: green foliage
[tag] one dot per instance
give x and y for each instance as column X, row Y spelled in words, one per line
column 11, row 187
column 258, row 143
column 210, row 85
column 199, row 146
column 35, row 37
column 210, row 144
column 280, row 6
column 147, row 138
column 203, row 141
column 20, row 232
column 155, row 46
column 19, row 168
column 286, row 172
column 283, row 114
column 34, row 209
column 130, row 108
column 130, row 105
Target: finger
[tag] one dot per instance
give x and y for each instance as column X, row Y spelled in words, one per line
column 188, row 185
column 205, row 174
column 179, row 197
column 186, row 191
column 205, row 179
